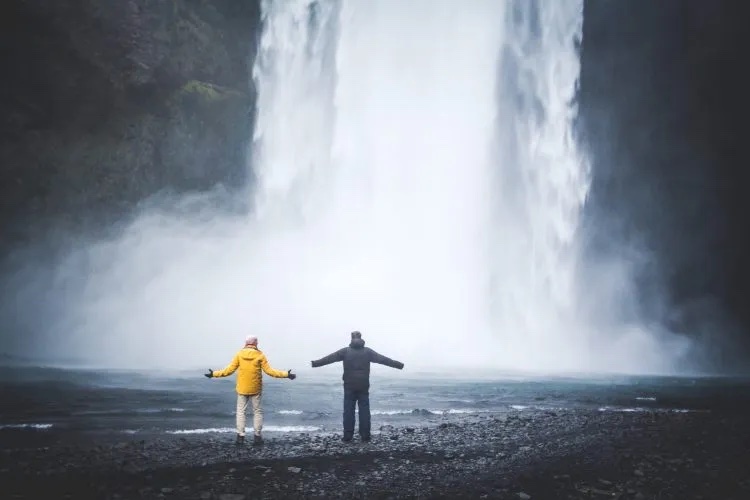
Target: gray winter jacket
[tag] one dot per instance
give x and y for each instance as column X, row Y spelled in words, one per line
column 357, row 359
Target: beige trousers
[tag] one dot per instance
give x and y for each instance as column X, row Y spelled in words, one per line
column 242, row 402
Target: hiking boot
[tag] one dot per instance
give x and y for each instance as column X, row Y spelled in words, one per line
column 365, row 439
column 346, row 438
column 240, row 440
column 257, row 440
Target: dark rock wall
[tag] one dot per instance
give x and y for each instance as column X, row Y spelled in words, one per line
column 664, row 101
column 106, row 102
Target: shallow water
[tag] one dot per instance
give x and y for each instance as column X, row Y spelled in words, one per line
column 96, row 403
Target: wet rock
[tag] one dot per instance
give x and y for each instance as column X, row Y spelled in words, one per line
column 597, row 491
column 113, row 132
column 413, row 465
column 524, row 496
column 295, row 470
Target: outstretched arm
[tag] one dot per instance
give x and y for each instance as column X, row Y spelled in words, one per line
column 266, row 366
column 331, row 358
column 383, row 360
column 230, row 369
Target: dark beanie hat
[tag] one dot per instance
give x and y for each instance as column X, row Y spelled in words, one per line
column 356, row 335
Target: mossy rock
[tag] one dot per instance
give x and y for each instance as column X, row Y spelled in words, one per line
column 204, row 93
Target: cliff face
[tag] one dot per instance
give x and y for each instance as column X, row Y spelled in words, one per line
column 109, row 101
column 663, row 103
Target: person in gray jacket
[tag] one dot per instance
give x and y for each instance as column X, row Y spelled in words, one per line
column 357, row 359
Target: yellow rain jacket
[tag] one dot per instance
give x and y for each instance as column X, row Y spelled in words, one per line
column 250, row 362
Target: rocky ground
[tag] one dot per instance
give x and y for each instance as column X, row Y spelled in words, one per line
column 566, row 454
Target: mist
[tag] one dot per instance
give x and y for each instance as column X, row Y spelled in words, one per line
column 416, row 177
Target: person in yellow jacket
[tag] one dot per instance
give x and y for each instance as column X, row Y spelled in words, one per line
column 251, row 362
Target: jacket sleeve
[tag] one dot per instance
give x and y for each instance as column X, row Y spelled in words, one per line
column 382, row 360
column 230, row 369
column 266, row 366
column 331, row 358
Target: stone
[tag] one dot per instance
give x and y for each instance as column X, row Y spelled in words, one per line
column 597, row 491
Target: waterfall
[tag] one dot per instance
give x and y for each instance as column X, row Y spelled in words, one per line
column 417, row 175
column 541, row 183
column 415, row 178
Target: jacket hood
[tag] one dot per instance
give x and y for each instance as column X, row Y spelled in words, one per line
column 249, row 352
column 357, row 343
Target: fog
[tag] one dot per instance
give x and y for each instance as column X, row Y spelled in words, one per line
column 416, row 177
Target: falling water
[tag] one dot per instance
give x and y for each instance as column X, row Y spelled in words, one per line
column 541, row 183
column 416, row 179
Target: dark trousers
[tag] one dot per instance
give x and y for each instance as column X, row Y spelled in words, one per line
column 361, row 399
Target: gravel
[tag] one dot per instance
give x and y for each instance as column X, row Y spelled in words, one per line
column 561, row 454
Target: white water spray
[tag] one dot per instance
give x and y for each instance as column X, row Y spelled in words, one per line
column 541, row 183
column 417, row 180
column 435, row 198
column 378, row 213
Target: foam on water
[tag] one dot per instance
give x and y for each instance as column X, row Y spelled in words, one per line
column 266, row 428
column 431, row 412
column 26, row 426
column 646, row 410
column 128, row 411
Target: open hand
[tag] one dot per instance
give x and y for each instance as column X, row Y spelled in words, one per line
column 291, row 375
column 210, row 373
